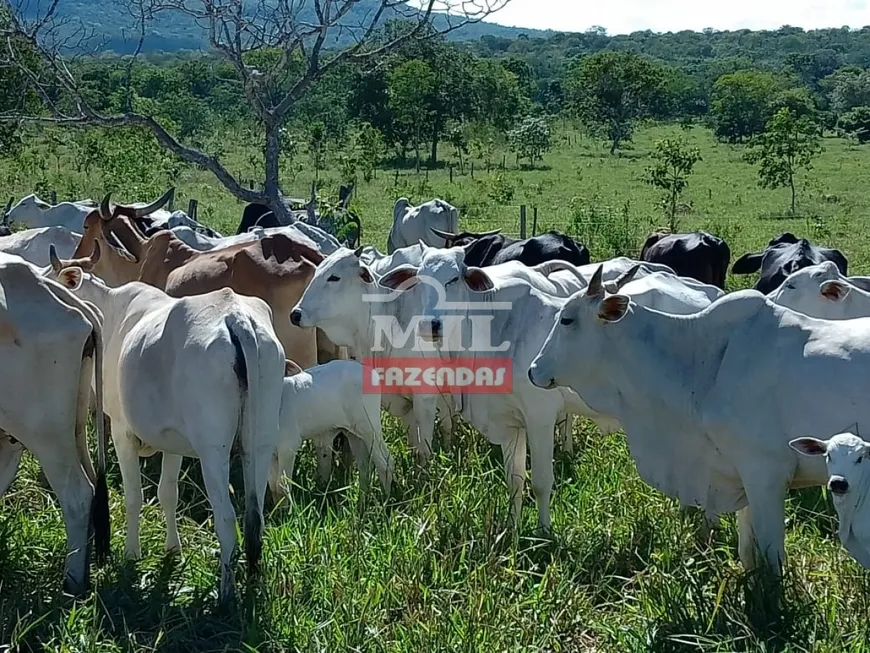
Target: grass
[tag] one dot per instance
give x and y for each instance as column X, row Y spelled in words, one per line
column 434, row 568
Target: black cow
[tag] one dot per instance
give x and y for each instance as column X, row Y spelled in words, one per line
column 492, row 248
column 783, row 255
column 257, row 215
column 697, row 255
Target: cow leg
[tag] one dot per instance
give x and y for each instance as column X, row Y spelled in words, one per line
column 281, row 473
column 566, row 433
column 127, row 450
column 167, row 494
column 745, row 539
column 75, row 495
column 363, row 462
column 424, row 416
column 324, row 461
column 447, row 423
column 216, row 475
column 767, row 517
column 10, row 458
column 541, row 445
column 514, row 454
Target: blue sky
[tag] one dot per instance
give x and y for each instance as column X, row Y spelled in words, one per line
column 623, row 16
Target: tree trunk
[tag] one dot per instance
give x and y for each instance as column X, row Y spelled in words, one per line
column 272, row 186
column 433, row 155
column 791, row 184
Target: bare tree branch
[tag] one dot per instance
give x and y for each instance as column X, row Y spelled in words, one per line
column 296, row 43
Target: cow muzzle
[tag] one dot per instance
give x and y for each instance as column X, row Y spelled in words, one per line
column 546, row 384
column 296, row 317
column 838, row 485
column 431, row 330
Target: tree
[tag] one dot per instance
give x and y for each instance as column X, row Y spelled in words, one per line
column 412, row 99
column 278, row 53
column 531, row 139
column 673, row 162
column 610, row 91
column 856, row 123
column 316, row 146
column 740, row 105
column 788, row 144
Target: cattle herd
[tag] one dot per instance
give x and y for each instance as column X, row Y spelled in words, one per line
column 727, row 400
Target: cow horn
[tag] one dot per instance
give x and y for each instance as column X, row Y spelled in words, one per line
column 626, row 276
column 358, row 251
column 56, row 265
column 156, row 204
column 494, row 232
column 596, row 288
column 105, row 208
column 446, row 235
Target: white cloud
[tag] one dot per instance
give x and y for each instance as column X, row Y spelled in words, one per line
column 624, row 16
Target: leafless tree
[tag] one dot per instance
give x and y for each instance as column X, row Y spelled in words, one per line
column 300, row 34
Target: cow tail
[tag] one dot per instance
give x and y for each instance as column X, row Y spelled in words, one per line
column 247, row 369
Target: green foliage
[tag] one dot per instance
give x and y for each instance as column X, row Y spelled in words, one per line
column 788, row 144
column 531, row 139
column 673, row 162
column 849, row 88
column 411, row 98
column 741, row 104
column 606, row 230
column 500, row 189
column 317, row 146
column 610, row 91
column 370, row 147
column 856, row 123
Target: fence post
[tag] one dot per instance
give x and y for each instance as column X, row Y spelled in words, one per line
column 397, row 177
column 534, row 221
column 709, row 193
column 54, row 197
column 503, row 161
column 522, row 220
column 191, row 209
column 472, row 169
column 451, row 173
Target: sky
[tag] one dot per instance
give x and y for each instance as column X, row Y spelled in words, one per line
column 624, row 16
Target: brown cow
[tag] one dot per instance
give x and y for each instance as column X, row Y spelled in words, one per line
column 275, row 268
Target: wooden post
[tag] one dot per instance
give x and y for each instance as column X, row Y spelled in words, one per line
column 709, row 193
column 534, row 221
column 472, row 169
column 451, row 173
column 54, row 197
column 397, row 177
column 522, row 220
column 191, row 209
column 503, row 161
column 427, row 174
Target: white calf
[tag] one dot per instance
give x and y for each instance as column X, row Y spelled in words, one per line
column 319, row 402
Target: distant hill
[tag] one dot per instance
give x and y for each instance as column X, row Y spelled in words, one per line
column 174, row 32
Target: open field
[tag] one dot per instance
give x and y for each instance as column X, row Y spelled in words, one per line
column 434, row 568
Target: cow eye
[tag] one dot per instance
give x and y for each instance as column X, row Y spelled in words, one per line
column 566, row 321
column 332, row 277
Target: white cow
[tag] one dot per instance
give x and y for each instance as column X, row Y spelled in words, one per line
column 32, row 212
column 412, row 224
column 847, row 457
column 318, row 403
column 325, row 243
column 345, row 302
column 524, row 414
column 710, row 401
column 186, row 376
column 821, row 291
column 32, row 244
column 49, row 342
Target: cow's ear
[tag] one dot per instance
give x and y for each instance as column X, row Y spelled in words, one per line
column 291, row 368
column 747, row 264
column 834, row 290
column 809, row 446
column 403, row 277
column 477, row 279
column 71, row 278
column 613, row 308
column 365, row 274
